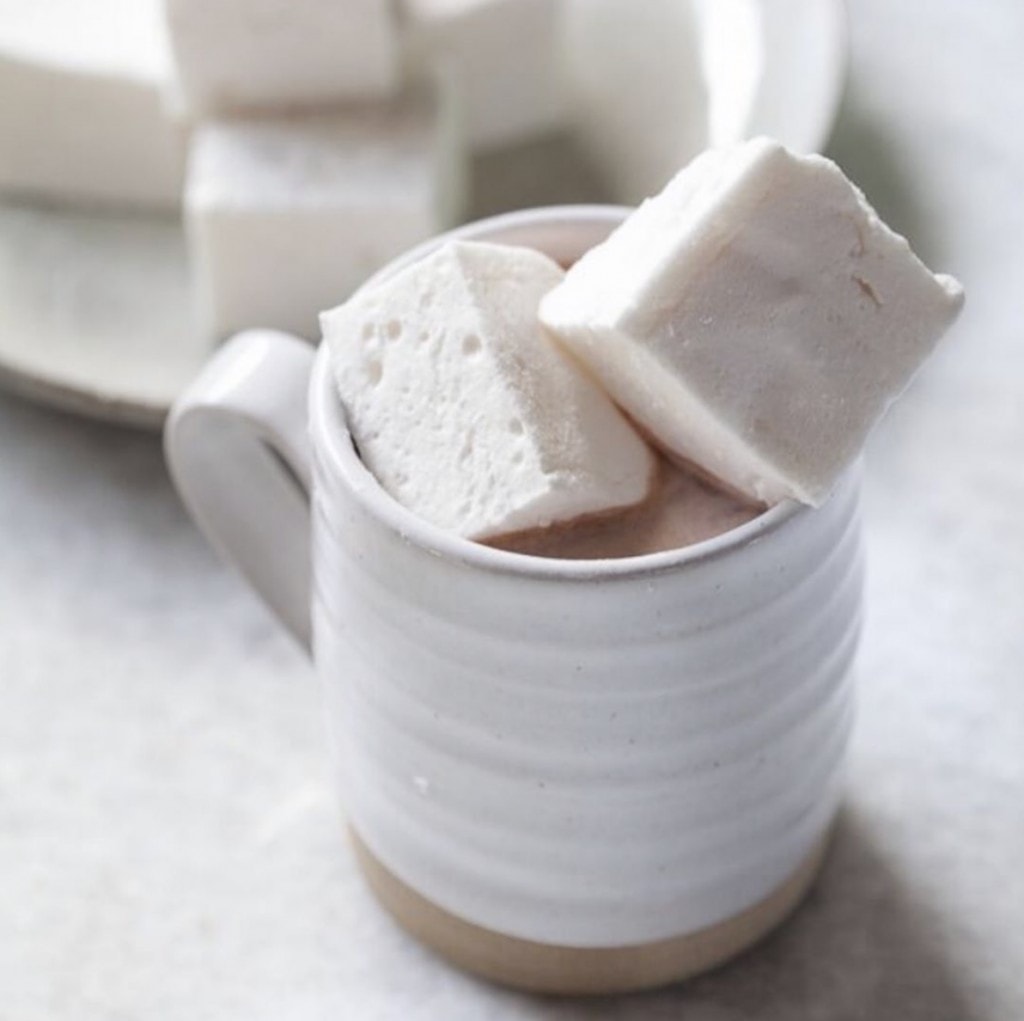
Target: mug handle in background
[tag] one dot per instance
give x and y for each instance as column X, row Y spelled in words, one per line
column 239, row 455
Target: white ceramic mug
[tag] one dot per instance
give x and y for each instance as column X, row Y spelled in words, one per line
column 564, row 775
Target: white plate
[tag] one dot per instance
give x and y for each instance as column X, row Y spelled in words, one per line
column 94, row 312
column 95, row 308
column 774, row 67
column 806, row 47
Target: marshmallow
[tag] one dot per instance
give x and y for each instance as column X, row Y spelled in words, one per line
column 464, row 411
column 639, row 99
column 235, row 55
column 507, row 57
column 286, row 216
column 81, row 113
column 756, row 318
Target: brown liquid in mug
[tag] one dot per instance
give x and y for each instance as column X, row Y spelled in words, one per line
column 682, row 509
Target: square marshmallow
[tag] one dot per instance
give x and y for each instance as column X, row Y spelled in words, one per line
column 238, row 55
column 639, row 102
column 465, row 412
column 288, row 217
column 757, row 318
column 507, row 58
column 81, row 103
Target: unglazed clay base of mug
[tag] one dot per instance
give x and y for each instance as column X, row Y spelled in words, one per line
column 546, row 968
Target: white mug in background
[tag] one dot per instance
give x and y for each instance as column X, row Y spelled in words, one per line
column 568, row 776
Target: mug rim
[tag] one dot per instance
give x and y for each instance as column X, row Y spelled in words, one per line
column 334, row 449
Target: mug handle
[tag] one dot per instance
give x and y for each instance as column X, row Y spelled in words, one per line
column 239, row 454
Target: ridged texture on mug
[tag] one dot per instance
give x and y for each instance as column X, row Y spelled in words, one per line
column 589, row 761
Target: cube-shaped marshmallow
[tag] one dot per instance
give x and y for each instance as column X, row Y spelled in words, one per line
column 264, row 55
column 287, row 217
column 465, row 411
column 507, row 57
column 81, row 103
column 639, row 101
column 756, row 318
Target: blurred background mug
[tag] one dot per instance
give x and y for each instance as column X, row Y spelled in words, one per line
column 569, row 776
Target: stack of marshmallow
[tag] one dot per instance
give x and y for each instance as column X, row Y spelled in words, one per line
column 315, row 158
column 321, row 137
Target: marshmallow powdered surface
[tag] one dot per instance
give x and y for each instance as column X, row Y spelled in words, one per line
column 288, row 215
column 81, row 103
column 465, row 411
column 265, row 55
column 756, row 318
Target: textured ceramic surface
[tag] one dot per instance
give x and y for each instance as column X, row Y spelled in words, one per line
column 590, row 754
column 593, row 754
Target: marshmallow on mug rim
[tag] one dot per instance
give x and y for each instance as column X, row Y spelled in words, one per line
column 286, row 216
column 81, row 103
column 465, row 411
column 507, row 58
column 241, row 55
column 756, row 318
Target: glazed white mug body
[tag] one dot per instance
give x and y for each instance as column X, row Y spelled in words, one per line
column 580, row 757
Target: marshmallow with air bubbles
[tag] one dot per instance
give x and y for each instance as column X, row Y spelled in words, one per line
column 81, row 103
column 287, row 216
column 465, row 411
column 756, row 318
column 242, row 55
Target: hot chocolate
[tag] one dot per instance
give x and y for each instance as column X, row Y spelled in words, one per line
column 682, row 509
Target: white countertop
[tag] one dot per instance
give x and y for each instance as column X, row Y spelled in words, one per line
column 169, row 844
